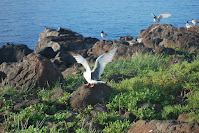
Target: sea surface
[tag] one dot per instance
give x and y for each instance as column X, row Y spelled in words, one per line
column 21, row 21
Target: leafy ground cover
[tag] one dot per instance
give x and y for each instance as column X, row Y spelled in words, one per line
column 175, row 88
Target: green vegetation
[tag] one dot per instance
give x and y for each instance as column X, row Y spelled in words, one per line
column 175, row 88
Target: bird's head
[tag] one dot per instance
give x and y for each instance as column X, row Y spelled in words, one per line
column 102, row 32
column 187, row 22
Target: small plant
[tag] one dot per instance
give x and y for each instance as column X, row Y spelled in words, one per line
column 7, row 105
column 118, row 126
column 89, row 108
column 64, row 99
column 105, row 118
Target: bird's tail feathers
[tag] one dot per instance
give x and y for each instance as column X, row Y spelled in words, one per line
column 102, row 82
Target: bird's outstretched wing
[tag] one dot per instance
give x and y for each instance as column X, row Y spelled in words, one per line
column 82, row 61
column 101, row 62
column 163, row 16
column 153, row 15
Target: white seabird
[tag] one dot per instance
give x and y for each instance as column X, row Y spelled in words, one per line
column 93, row 77
column 194, row 22
column 160, row 17
column 188, row 25
column 103, row 35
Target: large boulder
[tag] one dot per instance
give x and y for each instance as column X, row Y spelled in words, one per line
column 86, row 95
column 13, row 53
column 163, row 126
column 63, row 39
column 169, row 36
column 33, row 71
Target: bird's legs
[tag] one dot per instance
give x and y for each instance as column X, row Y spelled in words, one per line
column 91, row 85
column 194, row 25
column 187, row 29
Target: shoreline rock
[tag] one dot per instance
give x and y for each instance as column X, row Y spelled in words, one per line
column 13, row 53
column 34, row 71
column 168, row 36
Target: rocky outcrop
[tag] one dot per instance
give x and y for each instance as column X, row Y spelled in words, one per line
column 86, row 95
column 63, row 39
column 169, row 36
column 34, row 71
column 61, row 42
column 163, row 126
column 13, row 53
column 123, row 50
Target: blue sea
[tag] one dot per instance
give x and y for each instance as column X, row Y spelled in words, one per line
column 21, row 21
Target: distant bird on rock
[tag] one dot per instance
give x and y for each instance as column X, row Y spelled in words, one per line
column 160, row 17
column 103, row 35
column 194, row 22
column 93, row 77
column 188, row 26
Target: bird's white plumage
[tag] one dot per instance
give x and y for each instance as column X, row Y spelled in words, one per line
column 188, row 25
column 93, row 76
column 194, row 21
column 103, row 35
column 163, row 16
column 82, row 61
column 157, row 19
column 102, row 60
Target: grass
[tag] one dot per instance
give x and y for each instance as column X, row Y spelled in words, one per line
column 175, row 88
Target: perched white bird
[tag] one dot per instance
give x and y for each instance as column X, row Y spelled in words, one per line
column 93, row 77
column 139, row 40
column 194, row 22
column 103, row 35
column 188, row 25
column 160, row 17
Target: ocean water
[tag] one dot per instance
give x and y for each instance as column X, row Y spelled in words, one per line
column 21, row 21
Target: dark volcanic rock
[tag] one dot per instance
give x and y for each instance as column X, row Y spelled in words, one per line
column 126, row 38
column 98, row 108
column 85, row 95
column 47, row 52
column 163, row 126
column 129, row 116
column 13, row 53
column 2, row 76
column 63, row 41
column 169, row 36
column 33, row 71
column 25, row 104
column 123, row 50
